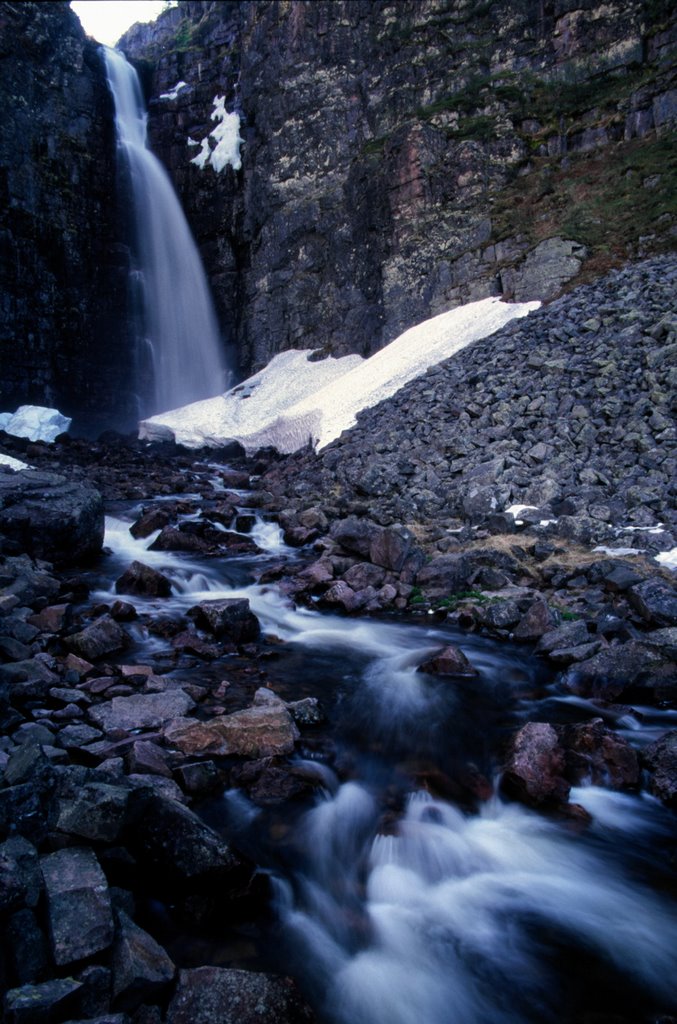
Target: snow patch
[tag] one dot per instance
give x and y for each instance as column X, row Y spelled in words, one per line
column 668, row 558
column 35, row 422
column 173, row 93
column 616, row 552
column 227, row 139
column 293, row 405
column 15, row 464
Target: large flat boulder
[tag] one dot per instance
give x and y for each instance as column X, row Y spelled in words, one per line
column 51, row 517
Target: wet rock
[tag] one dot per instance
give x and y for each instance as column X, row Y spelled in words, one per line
column 170, row 839
column 171, row 539
column 306, row 711
column 51, row 517
column 144, row 580
column 149, row 522
column 102, row 637
column 230, row 619
column 624, row 670
column 660, row 757
column 535, row 768
column 78, row 905
column 140, row 711
column 655, row 600
column 596, row 754
column 451, row 661
column 236, row 997
column 255, row 732
column 43, row 1003
column 142, row 970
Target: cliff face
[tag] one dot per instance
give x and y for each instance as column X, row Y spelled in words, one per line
column 63, row 272
column 403, row 157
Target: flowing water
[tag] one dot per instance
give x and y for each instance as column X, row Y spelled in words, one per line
column 179, row 335
column 409, row 892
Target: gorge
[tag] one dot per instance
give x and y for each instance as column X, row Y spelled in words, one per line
column 371, row 719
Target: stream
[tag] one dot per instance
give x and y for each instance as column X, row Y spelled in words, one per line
column 409, row 891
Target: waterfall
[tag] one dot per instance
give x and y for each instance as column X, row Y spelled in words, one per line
column 179, row 334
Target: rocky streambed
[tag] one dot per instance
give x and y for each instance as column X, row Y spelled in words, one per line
column 411, row 750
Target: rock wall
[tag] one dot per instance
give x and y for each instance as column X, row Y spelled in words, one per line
column 402, row 157
column 63, row 270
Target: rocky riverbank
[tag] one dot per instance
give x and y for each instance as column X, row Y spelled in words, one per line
column 105, row 759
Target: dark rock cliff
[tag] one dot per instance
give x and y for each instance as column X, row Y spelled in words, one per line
column 63, row 271
column 402, row 157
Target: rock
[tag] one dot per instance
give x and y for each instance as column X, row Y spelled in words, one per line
column 147, row 759
column 534, row 771
column 596, row 754
column 236, row 997
column 149, row 522
column 306, row 711
column 28, row 948
column 144, row 580
column 390, row 549
column 660, row 757
column 255, row 732
column 230, row 619
column 451, row 661
column 102, row 637
column 624, row 670
column 341, row 595
column 171, row 840
column 78, row 904
column 140, row 711
column 51, row 517
column 547, row 267
column 41, row 1004
column 52, row 619
column 501, row 615
column 655, row 600
column 364, row 574
column 20, row 877
column 536, row 621
column 72, row 737
column 569, row 634
column 198, row 778
column 96, row 811
column 142, row 970
column 354, row 535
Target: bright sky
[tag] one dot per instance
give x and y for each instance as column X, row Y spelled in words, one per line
column 107, row 20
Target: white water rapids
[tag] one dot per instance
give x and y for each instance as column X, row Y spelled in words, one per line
column 179, row 325
column 439, row 915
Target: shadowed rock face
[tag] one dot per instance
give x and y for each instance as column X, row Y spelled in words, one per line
column 63, row 272
column 403, row 157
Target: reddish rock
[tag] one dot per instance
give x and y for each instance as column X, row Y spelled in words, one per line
column 255, row 732
column 594, row 753
column 451, row 661
column 534, row 772
column 143, row 580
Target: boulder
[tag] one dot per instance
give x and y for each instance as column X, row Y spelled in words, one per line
column 78, row 904
column 94, row 811
column 355, row 535
column 142, row 970
column 230, row 996
column 100, row 638
column 51, row 517
column 143, row 580
column 260, row 731
column 20, row 877
column 660, row 757
column 140, row 710
column 535, row 768
column 537, row 620
column 450, row 661
column 655, row 600
column 633, row 668
column 596, row 754
column 43, row 1003
column 229, row 619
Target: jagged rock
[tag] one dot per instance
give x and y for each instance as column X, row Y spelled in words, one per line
column 546, row 268
column 140, row 710
column 142, row 970
column 536, row 621
column 655, row 600
column 78, row 904
column 390, row 549
column 40, row 1004
column 596, row 754
column 341, row 595
column 149, row 522
column 569, row 634
column 501, row 615
column 147, row 758
column 236, row 997
column 98, row 639
column 230, row 619
column 51, row 517
column 255, row 732
column 451, row 661
column 364, row 574
column 95, row 811
column 535, row 770
column 660, row 757
column 623, row 670
column 144, row 580
column 52, row 619
column 172, row 840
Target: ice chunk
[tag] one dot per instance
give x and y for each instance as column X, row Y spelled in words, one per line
column 37, row 423
column 15, row 464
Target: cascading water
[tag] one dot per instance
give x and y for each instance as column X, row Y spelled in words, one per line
column 178, row 324
column 396, row 907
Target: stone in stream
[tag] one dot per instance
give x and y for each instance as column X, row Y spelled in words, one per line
column 143, row 580
column 102, row 637
column 450, row 661
column 208, row 994
column 78, row 904
column 534, row 771
column 598, row 755
column 229, row 619
column 660, row 757
column 142, row 970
